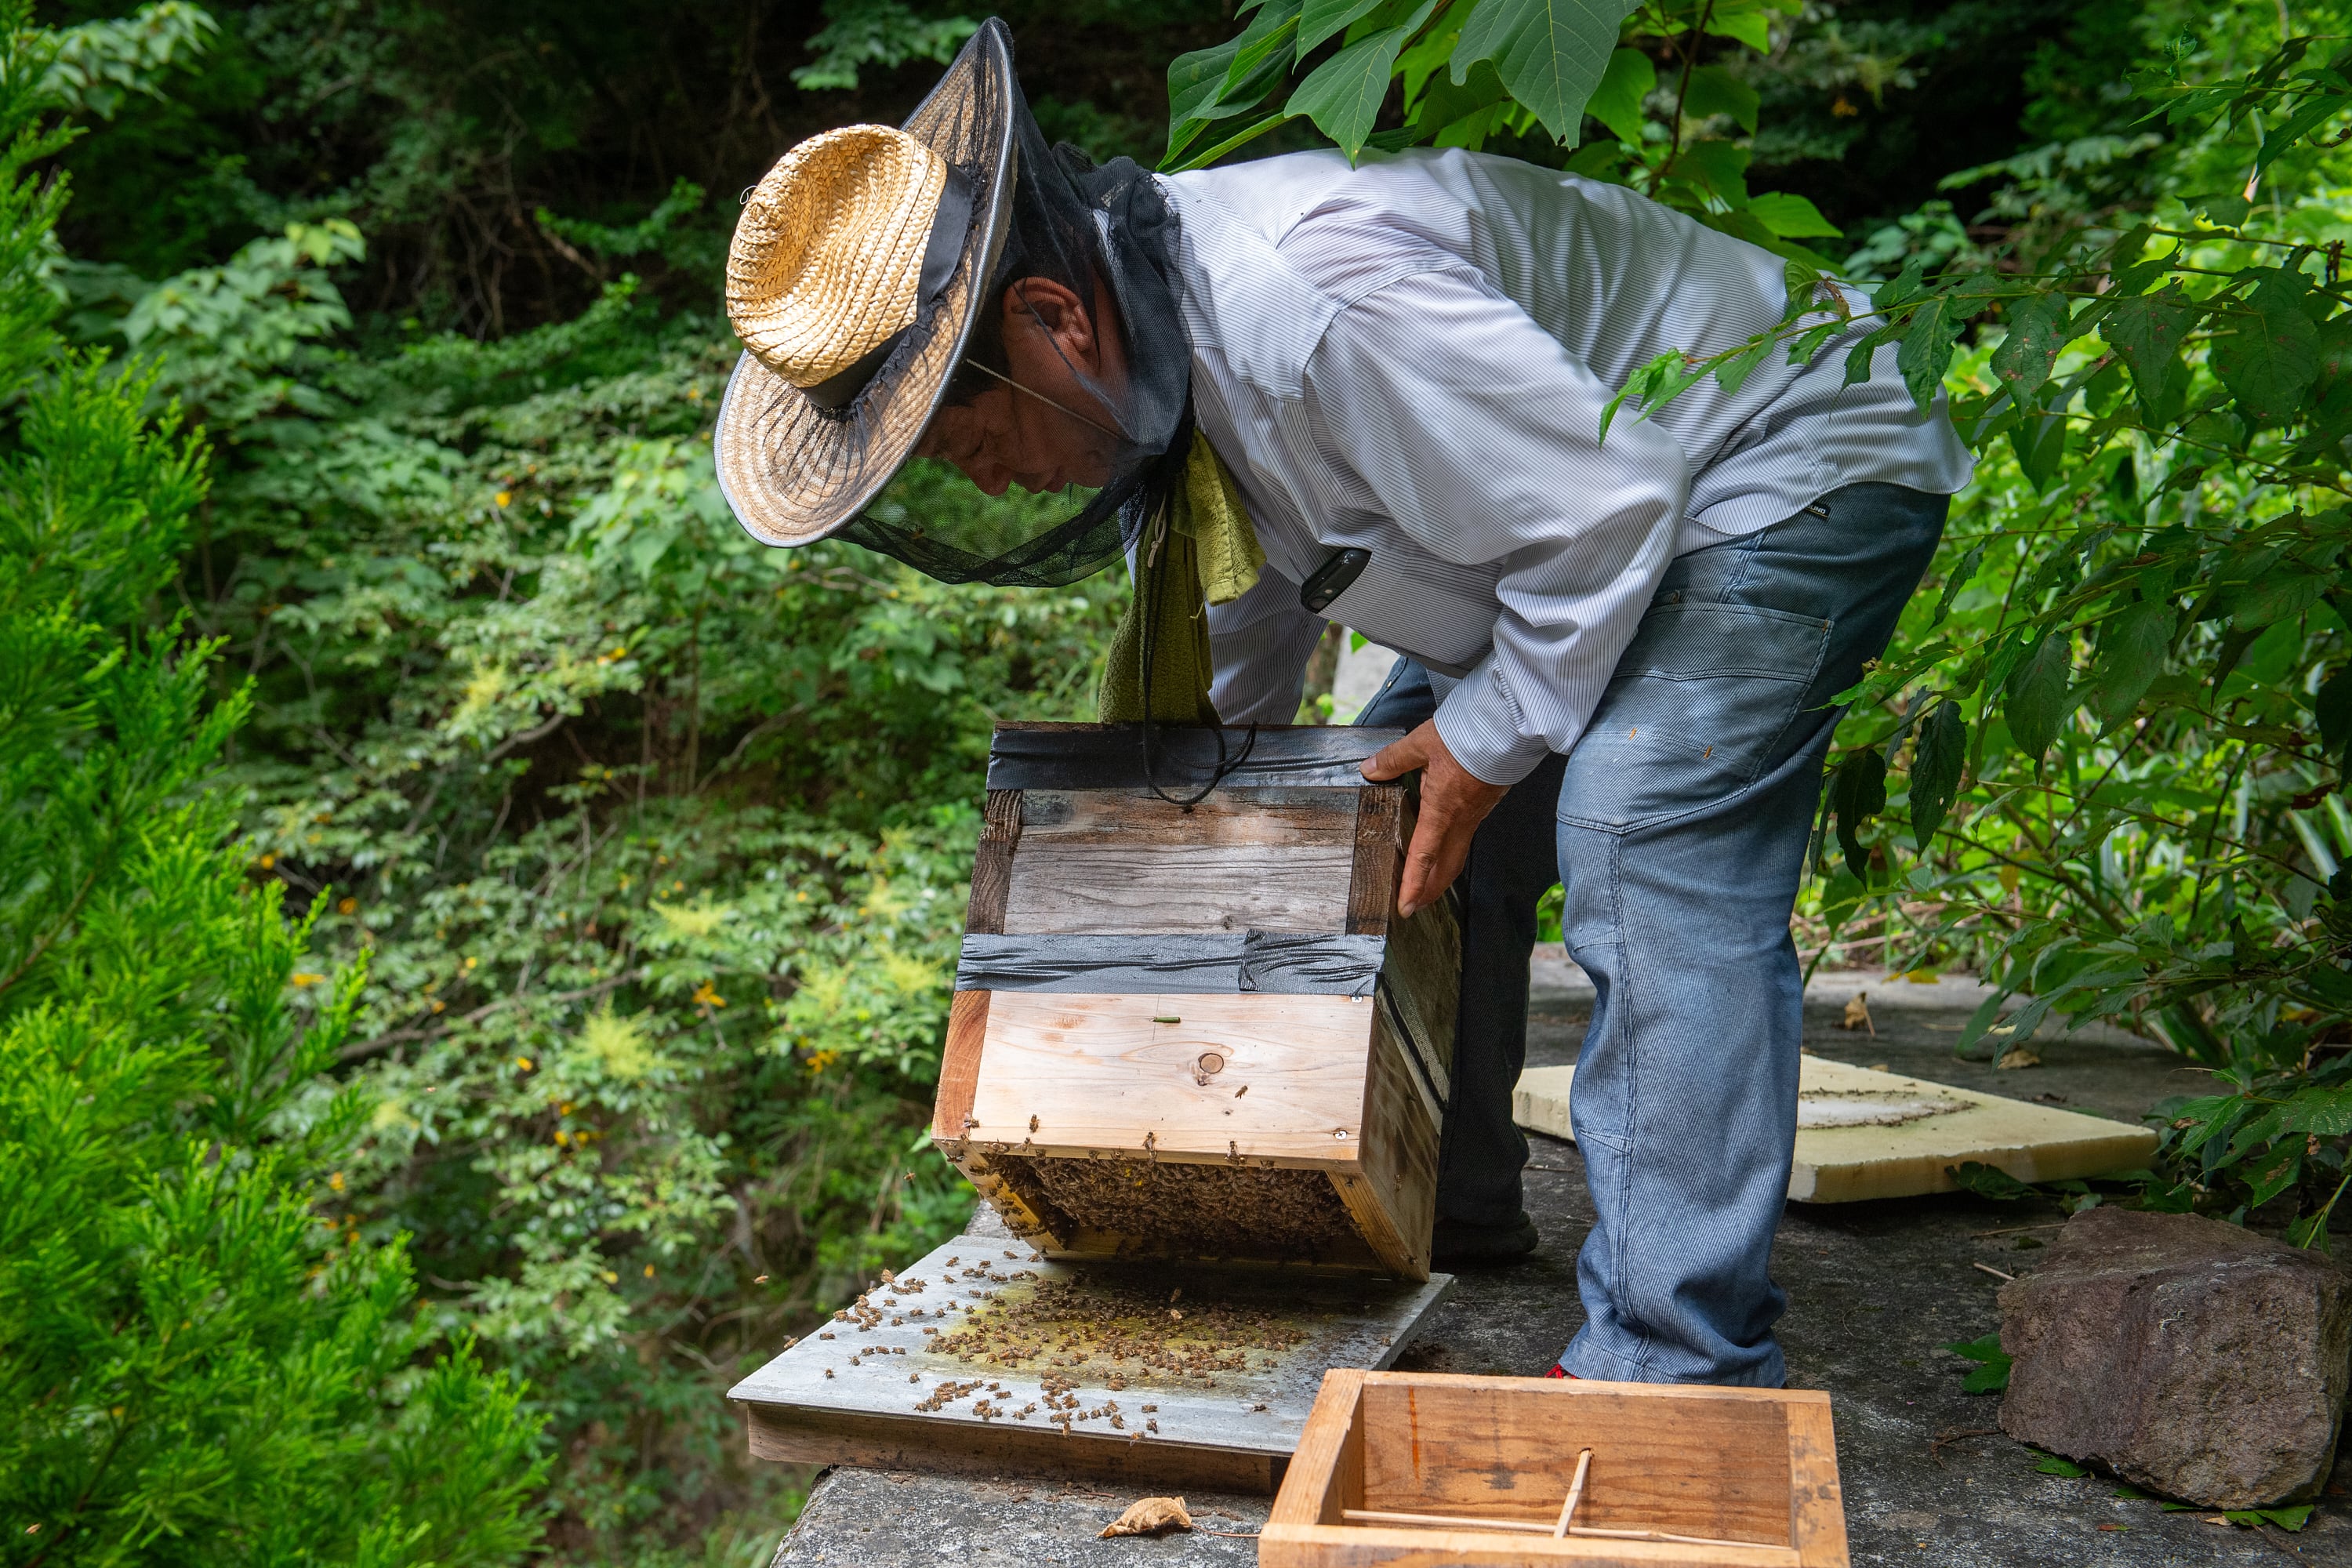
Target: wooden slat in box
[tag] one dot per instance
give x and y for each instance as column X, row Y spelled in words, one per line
column 1200, row 1031
column 1752, row 1473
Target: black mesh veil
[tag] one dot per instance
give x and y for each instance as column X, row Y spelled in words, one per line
column 1082, row 225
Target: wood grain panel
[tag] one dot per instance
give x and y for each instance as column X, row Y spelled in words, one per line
column 1695, row 1461
column 960, row 1062
column 1816, row 1504
column 1264, row 816
column 1140, row 886
column 1393, row 1196
column 991, row 864
column 1423, row 973
column 1099, row 1073
column 1315, row 1488
column 799, row 1435
column 1379, row 859
column 1356, row 1546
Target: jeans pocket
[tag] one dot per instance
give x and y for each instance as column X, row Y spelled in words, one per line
column 1699, row 708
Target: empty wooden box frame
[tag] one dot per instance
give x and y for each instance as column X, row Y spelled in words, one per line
column 1423, row 1467
column 1200, row 1031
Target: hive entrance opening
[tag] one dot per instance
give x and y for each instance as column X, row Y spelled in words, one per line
column 1198, row 1210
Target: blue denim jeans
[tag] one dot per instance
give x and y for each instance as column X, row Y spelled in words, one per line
column 1680, row 820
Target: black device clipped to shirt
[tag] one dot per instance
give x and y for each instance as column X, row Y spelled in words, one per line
column 1333, row 578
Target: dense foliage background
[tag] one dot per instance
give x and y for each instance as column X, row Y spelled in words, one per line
column 541, row 900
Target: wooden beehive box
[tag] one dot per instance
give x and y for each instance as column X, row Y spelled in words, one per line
column 1200, row 1033
column 1423, row 1467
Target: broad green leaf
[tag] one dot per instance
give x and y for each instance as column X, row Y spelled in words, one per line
column 1232, row 79
column 1271, row 36
column 1428, row 57
column 1195, row 79
column 2146, row 333
column 2274, row 1174
column 2324, row 1112
column 1791, row 216
column 1551, row 54
column 1342, row 96
column 1987, row 1182
column 1714, row 90
column 2040, row 442
column 2038, row 698
column 1859, row 358
column 2038, row 329
column 2333, row 708
column 1733, row 373
column 2280, row 593
column 2314, row 112
column 1748, row 21
column 2051, row 1464
column 1990, row 1375
column 2131, row 656
column 1926, row 350
column 2269, row 356
column 1962, row 574
column 1653, row 386
column 1321, row 19
column 1617, row 102
column 1857, row 793
column 1447, row 102
column 2294, row 1518
column 1935, row 770
column 1719, row 168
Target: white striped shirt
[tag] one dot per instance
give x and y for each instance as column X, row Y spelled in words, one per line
column 1411, row 357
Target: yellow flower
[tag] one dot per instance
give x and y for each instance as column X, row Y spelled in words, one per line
column 562, row 1137
column 523, row 1062
column 611, row 1277
column 471, row 962
column 439, row 1007
column 649, row 1270
column 708, row 996
column 505, row 499
column 306, row 979
column 336, row 1181
column 347, row 907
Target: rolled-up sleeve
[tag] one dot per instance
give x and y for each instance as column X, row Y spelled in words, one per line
column 1479, row 436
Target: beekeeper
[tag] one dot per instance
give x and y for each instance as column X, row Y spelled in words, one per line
column 1309, row 393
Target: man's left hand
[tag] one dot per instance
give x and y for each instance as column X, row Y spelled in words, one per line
column 1453, row 802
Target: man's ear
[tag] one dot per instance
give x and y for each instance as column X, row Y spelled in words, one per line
column 1040, row 305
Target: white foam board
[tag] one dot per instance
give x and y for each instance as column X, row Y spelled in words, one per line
column 1863, row 1133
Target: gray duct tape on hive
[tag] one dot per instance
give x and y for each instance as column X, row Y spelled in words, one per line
column 1294, row 963
column 1110, row 756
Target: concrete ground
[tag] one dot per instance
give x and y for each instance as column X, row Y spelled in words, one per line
column 1875, row 1290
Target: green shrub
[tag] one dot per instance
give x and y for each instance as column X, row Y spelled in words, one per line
column 200, row 1362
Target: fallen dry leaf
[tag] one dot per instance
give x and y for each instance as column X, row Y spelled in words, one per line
column 1857, row 1015
column 1151, row 1516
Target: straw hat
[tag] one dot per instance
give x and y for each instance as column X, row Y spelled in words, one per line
column 854, row 281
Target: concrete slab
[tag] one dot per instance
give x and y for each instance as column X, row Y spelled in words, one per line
column 1864, row 1133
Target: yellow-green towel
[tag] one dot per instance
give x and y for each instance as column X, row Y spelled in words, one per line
column 1204, row 552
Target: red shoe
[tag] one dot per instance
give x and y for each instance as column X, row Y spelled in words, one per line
column 1559, row 1371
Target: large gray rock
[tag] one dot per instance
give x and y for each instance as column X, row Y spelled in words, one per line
column 2189, row 1356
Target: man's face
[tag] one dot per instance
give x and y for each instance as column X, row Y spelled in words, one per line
column 1007, row 436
